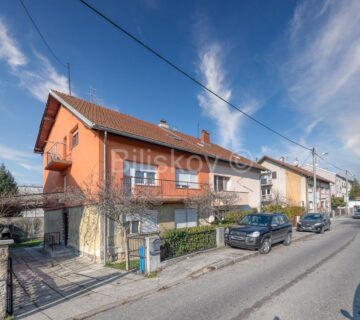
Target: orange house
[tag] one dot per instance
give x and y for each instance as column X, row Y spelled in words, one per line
column 83, row 143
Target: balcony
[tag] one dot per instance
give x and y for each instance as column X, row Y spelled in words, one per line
column 56, row 158
column 166, row 190
column 266, row 182
column 267, row 198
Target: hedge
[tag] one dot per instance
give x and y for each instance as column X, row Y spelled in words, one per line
column 290, row 211
column 178, row 242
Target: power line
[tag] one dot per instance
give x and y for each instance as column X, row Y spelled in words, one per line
column 65, row 65
column 41, row 35
column 184, row 73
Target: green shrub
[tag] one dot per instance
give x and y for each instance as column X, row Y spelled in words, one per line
column 178, row 242
column 290, row 211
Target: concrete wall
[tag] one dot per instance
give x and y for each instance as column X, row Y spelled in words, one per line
column 245, row 182
column 24, row 228
column 278, row 184
column 293, row 188
column 84, row 229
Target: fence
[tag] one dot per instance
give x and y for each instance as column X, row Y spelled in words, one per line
column 185, row 242
column 9, row 288
column 52, row 239
column 338, row 212
column 136, row 253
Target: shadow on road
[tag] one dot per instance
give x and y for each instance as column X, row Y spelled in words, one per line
column 356, row 307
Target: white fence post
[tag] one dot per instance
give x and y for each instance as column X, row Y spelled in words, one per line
column 220, row 239
column 152, row 263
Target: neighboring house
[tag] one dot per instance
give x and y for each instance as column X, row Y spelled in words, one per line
column 31, row 194
column 290, row 184
column 82, row 142
column 338, row 182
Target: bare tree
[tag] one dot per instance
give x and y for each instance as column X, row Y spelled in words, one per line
column 212, row 203
column 9, row 204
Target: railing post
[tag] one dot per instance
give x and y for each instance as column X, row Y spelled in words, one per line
column 4, row 264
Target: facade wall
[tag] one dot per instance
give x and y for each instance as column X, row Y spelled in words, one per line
column 86, row 156
column 278, row 184
column 293, row 188
column 247, row 183
column 84, row 229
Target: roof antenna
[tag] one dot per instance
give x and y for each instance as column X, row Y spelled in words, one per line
column 198, row 130
column 69, row 79
column 91, row 94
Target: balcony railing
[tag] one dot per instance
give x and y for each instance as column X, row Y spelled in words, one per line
column 169, row 190
column 266, row 182
column 57, row 158
column 267, row 197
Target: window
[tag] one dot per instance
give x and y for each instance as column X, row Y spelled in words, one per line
column 186, row 179
column 75, row 138
column 273, row 175
column 221, row 183
column 185, row 218
column 142, row 174
column 132, row 227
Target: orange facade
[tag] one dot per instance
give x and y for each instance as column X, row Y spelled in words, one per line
column 83, row 163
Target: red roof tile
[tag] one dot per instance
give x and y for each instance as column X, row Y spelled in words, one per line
column 297, row 169
column 102, row 118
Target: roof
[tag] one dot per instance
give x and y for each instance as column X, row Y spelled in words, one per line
column 100, row 118
column 296, row 169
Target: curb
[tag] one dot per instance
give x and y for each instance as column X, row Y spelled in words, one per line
column 196, row 274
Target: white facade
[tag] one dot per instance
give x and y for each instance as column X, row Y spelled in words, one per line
column 245, row 182
column 338, row 182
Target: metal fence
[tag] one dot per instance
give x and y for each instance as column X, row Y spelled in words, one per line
column 9, row 289
column 136, row 253
column 51, row 239
column 186, row 242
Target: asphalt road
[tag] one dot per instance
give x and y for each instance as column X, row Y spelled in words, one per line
column 316, row 278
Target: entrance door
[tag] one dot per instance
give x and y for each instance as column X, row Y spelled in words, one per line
column 66, row 226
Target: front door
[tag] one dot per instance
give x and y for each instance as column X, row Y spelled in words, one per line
column 65, row 226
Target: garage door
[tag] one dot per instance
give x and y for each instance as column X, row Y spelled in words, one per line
column 185, row 218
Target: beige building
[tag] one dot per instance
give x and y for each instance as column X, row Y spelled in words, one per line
column 290, row 184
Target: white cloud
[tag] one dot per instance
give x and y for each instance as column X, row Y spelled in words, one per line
column 322, row 74
column 8, row 48
column 8, row 153
column 38, row 82
column 228, row 121
column 31, row 167
column 37, row 76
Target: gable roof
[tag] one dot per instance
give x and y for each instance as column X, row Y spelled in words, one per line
column 296, row 169
column 100, row 118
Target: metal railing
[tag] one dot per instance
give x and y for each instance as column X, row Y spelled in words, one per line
column 265, row 182
column 267, row 197
column 51, row 239
column 161, row 188
column 57, row 152
column 9, row 289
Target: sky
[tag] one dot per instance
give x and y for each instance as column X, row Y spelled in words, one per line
column 294, row 65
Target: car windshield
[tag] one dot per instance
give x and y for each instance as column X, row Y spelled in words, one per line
column 358, row 210
column 255, row 220
column 313, row 216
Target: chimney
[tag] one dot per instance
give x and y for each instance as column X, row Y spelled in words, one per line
column 163, row 124
column 296, row 162
column 205, row 137
column 282, row 159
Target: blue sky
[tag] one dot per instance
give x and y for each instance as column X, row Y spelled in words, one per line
column 294, row 65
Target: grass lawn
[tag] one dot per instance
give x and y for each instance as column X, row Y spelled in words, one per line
column 26, row 244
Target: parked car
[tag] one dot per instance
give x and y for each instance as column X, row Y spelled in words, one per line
column 259, row 231
column 314, row 222
column 357, row 214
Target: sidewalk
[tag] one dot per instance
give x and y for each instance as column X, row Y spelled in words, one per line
column 48, row 288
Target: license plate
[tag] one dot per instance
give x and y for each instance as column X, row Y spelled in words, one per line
column 237, row 238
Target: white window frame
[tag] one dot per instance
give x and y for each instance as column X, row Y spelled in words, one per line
column 74, row 134
column 225, row 181
column 190, row 181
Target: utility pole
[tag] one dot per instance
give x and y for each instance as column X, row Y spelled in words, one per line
column 347, row 192
column 314, row 186
column 69, row 79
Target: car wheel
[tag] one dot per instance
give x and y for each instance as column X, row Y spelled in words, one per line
column 287, row 240
column 265, row 247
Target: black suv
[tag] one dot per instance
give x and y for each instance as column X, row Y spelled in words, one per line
column 259, row 231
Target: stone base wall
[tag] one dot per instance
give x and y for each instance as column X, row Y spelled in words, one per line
column 4, row 254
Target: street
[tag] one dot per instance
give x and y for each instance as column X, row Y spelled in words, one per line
column 315, row 278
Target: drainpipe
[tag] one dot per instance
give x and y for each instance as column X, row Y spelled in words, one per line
column 105, row 186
